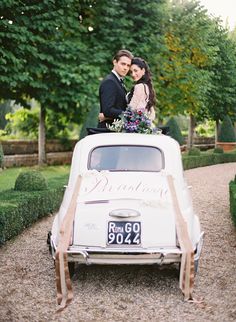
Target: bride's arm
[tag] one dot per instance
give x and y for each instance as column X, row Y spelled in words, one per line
column 138, row 98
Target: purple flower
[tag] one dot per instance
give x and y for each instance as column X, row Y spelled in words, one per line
column 133, row 121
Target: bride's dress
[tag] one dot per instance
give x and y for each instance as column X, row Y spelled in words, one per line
column 140, row 98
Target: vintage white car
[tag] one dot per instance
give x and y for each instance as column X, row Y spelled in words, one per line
column 129, row 203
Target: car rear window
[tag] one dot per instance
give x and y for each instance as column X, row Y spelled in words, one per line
column 126, row 158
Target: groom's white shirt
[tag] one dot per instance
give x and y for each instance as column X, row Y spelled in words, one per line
column 115, row 73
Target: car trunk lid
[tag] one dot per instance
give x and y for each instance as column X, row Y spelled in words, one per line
column 124, row 209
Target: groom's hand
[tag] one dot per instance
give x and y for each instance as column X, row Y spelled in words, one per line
column 102, row 117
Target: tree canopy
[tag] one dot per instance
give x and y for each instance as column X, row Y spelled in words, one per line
column 58, row 51
column 43, row 56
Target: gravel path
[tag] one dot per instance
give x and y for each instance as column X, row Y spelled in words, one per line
column 129, row 293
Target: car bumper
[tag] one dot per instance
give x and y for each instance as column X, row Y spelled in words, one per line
column 124, row 255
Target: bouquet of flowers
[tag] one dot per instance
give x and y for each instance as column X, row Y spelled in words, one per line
column 133, row 121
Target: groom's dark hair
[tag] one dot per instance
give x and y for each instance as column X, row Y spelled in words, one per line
column 123, row 52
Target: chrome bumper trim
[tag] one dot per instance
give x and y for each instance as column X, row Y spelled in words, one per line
column 122, row 255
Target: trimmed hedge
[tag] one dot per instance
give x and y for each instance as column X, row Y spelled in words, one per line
column 190, row 162
column 218, row 150
column 227, row 131
column 194, row 151
column 31, row 180
column 232, row 199
column 20, row 209
column 174, row 131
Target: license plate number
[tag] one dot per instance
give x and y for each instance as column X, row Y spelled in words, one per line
column 124, row 233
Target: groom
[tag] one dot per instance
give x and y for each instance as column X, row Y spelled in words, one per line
column 112, row 93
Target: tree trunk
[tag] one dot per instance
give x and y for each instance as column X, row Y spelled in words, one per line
column 217, row 129
column 191, row 129
column 42, row 160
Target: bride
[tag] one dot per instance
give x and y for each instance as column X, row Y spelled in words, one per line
column 142, row 95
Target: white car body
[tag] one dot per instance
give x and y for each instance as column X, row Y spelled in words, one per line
column 124, row 212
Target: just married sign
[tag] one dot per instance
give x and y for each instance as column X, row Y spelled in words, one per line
column 112, row 185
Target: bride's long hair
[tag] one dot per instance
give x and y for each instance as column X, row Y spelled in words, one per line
column 146, row 79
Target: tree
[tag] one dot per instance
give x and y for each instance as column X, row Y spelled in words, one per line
column 174, row 130
column 184, row 77
column 44, row 58
column 227, row 131
column 23, row 123
column 135, row 25
column 5, row 107
column 221, row 97
column 57, row 53
column 90, row 122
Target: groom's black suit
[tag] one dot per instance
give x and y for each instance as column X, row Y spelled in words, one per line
column 112, row 98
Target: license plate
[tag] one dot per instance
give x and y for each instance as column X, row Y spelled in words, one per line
column 124, row 233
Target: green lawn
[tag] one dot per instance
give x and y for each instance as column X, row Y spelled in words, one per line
column 56, row 176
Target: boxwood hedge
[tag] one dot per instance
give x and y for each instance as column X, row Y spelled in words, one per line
column 232, row 198
column 202, row 160
column 30, row 181
column 19, row 209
